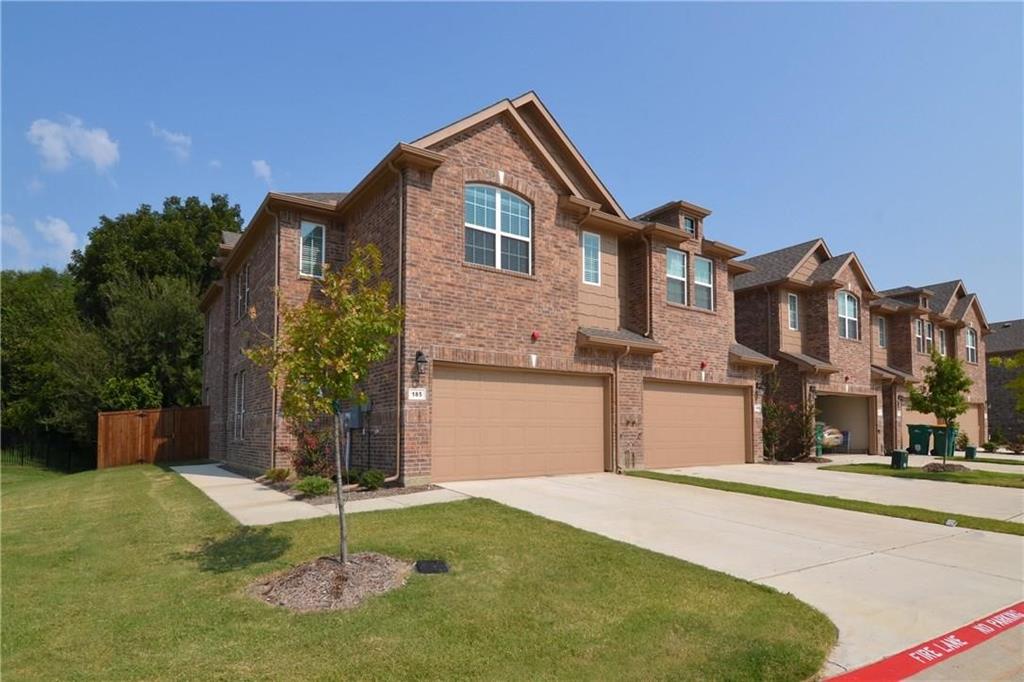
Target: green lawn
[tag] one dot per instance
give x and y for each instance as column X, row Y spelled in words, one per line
column 986, row 460
column 911, row 513
column 132, row 573
column 976, row 477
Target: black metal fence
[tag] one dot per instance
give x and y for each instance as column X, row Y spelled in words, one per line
column 51, row 450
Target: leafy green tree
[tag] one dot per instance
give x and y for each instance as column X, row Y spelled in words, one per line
column 1016, row 384
column 179, row 241
column 327, row 347
column 155, row 329
column 138, row 393
column 945, row 393
column 35, row 305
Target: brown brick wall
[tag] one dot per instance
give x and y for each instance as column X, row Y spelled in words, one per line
column 1003, row 416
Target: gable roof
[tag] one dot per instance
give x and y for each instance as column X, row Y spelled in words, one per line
column 828, row 270
column 325, row 197
column 775, row 265
column 531, row 105
column 962, row 306
column 1006, row 336
column 942, row 294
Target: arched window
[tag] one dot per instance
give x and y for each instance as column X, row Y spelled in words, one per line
column 972, row 346
column 849, row 316
column 498, row 229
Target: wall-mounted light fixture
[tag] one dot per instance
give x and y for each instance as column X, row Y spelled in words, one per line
column 421, row 363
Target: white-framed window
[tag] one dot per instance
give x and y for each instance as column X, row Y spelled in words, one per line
column 703, row 283
column 311, row 249
column 971, row 345
column 239, row 420
column 929, row 337
column 793, row 302
column 849, row 315
column 690, row 226
column 498, row 229
column 919, row 335
column 943, row 348
column 591, row 257
column 675, row 276
column 883, row 333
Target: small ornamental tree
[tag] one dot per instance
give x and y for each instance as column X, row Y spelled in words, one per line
column 945, row 393
column 327, row 346
column 1016, row 384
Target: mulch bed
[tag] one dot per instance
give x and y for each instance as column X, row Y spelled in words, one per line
column 350, row 495
column 940, row 468
column 324, row 585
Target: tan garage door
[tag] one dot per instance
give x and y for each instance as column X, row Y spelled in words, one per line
column 692, row 424
column 970, row 423
column 497, row 424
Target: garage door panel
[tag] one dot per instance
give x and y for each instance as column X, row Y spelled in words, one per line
column 694, row 424
column 490, row 423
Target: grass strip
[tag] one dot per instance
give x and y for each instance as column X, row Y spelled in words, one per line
column 909, row 513
column 975, row 477
column 985, row 460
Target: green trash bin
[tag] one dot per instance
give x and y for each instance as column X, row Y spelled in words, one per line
column 899, row 459
column 941, row 446
column 971, row 452
column 819, row 438
column 920, row 438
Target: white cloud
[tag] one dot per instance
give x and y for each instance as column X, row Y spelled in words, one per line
column 261, row 170
column 179, row 143
column 60, row 143
column 51, row 244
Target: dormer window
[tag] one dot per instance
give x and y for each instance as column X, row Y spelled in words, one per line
column 690, row 226
column 849, row 316
column 498, row 229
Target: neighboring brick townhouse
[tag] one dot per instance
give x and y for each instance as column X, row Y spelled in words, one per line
column 908, row 323
column 546, row 330
column 809, row 310
column 1005, row 341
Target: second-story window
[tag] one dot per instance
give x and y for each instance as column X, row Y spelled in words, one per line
column 849, row 316
column 794, row 311
column 241, row 292
column 703, row 283
column 942, row 342
column 591, row 257
column 498, row 229
column 919, row 335
column 929, row 337
column 883, row 333
column 971, row 346
column 311, row 251
column 690, row 226
column 675, row 274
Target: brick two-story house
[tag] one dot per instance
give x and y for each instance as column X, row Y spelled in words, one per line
column 809, row 310
column 1005, row 341
column 908, row 323
column 546, row 331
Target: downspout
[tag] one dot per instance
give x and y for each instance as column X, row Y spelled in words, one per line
column 400, row 348
column 616, row 454
column 648, row 286
column 277, row 295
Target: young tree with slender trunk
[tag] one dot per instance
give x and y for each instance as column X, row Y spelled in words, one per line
column 326, row 348
column 945, row 393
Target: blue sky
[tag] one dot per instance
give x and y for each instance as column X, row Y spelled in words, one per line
column 891, row 130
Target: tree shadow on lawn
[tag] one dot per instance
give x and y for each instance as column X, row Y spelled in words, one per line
column 244, row 547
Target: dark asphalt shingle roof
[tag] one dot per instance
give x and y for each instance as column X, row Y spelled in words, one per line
column 899, row 291
column 229, row 238
column 739, row 350
column 772, row 266
column 326, row 197
column 830, row 268
column 1006, row 336
column 941, row 293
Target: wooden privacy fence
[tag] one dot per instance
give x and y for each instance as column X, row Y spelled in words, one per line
column 148, row 436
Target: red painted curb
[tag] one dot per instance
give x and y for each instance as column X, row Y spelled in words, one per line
column 917, row 658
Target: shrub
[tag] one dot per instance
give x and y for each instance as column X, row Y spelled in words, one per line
column 351, row 475
column 372, row 479
column 277, row 475
column 314, row 455
column 962, row 441
column 1017, row 447
column 988, row 446
column 314, row 485
column 997, row 437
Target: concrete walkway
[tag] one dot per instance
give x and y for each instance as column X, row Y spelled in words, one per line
column 254, row 504
column 886, row 583
column 974, row 500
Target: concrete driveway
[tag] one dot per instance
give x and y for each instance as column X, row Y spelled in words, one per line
column 886, row 583
column 974, row 500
